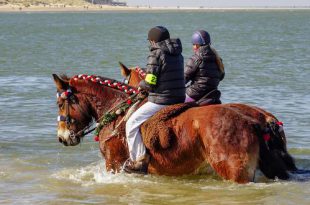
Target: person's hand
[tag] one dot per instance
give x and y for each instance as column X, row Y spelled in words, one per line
column 142, row 93
column 142, row 90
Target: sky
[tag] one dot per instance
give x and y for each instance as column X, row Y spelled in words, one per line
column 219, row 3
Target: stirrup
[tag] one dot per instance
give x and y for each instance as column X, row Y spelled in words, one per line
column 136, row 167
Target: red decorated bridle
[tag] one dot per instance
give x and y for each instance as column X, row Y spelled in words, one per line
column 69, row 98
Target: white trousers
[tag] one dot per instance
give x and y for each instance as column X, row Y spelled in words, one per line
column 133, row 134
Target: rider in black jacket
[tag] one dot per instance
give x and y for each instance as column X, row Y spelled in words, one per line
column 204, row 69
column 165, row 82
column 165, row 64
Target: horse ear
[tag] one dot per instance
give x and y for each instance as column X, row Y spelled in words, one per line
column 60, row 83
column 124, row 70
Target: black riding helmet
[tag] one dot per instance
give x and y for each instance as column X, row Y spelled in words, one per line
column 158, row 34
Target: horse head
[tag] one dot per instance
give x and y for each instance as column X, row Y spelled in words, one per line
column 73, row 112
column 132, row 75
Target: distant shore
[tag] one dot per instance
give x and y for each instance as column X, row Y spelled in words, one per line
column 95, row 8
column 59, row 8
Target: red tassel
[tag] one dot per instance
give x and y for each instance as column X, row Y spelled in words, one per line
column 129, row 102
column 266, row 137
column 96, row 138
column 279, row 123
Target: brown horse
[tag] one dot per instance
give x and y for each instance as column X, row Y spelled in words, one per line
column 233, row 143
column 133, row 76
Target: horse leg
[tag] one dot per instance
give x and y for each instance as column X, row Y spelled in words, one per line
column 232, row 149
column 236, row 166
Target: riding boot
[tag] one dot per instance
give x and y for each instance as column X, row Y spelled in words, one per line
column 138, row 167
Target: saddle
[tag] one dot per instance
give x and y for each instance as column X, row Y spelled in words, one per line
column 211, row 98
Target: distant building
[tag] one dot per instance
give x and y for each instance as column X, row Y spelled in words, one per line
column 4, row 2
column 108, row 2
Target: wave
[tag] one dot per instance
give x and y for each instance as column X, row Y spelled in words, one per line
column 95, row 173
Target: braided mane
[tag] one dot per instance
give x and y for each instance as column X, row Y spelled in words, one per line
column 140, row 71
column 93, row 83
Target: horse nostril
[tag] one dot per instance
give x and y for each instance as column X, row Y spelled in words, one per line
column 60, row 139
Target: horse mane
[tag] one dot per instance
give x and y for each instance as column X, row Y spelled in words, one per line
column 93, row 85
column 140, row 72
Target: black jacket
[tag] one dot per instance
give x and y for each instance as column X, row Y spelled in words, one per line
column 166, row 63
column 203, row 72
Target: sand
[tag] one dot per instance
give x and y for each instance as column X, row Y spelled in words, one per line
column 94, row 8
column 59, row 8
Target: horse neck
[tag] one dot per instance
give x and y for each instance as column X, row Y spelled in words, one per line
column 99, row 98
column 99, row 104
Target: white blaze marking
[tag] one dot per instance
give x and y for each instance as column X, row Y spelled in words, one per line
column 64, row 133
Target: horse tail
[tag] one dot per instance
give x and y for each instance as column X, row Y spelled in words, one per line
column 274, row 160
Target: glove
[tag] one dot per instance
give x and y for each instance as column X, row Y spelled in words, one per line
column 145, row 86
column 142, row 93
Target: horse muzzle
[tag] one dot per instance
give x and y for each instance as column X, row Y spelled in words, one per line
column 69, row 142
column 70, row 139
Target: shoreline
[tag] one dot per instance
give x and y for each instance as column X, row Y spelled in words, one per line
column 98, row 8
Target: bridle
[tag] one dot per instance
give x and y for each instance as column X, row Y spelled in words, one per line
column 69, row 98
column 126, row 79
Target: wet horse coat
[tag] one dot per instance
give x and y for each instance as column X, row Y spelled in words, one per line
column 275, row 158
column 226, row 139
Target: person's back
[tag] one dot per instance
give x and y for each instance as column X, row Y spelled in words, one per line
column 204, row 69
column 165, row 83
column 166, row 63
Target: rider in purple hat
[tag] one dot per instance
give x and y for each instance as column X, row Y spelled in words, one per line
column 204, row 69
